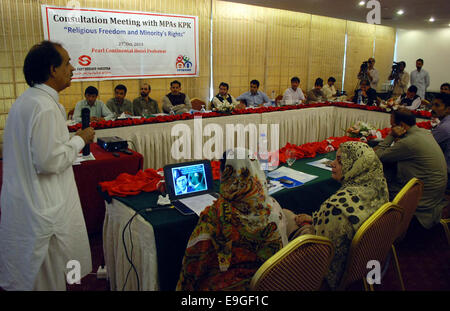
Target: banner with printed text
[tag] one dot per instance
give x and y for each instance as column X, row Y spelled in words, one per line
column 110, row 44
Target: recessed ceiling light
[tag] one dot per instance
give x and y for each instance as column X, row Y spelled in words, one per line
column 400, row 12
column 361, row 3
column 431, row 19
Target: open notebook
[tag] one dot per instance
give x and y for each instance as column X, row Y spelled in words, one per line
column 190, row 186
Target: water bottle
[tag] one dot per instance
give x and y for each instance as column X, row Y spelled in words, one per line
column 203, row 110
column 171, row 111
column 263, row 153
column 359, row 98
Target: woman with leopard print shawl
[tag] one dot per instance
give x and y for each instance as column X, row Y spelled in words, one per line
column 363, row 191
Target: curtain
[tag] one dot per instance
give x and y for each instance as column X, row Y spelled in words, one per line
column 360, row 40
column 249, row 42
column 239, row 45
column 384, row 52
column 288, row 50
column 327, row 48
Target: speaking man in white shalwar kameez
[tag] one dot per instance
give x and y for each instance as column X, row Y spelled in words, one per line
column 42, row 226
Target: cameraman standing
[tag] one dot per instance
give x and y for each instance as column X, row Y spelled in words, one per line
column 400, row 77
column 368, row 72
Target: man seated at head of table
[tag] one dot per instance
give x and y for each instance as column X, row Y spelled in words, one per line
column 316, row 94
column 223, row 97
column 366, row 95
column 329, row 90
column 145, row 103
column 440, row 108
column 254, row 98
column 98, row 109
column 294, row 94
column 119, row 104
column 410, row 100
column 176, row 101
column 235, row 235
column 407, row 152
column 363, row 191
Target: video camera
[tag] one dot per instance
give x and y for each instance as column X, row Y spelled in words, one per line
column 395, row 70
column 364, row 66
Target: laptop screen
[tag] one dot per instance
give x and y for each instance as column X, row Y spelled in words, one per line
column 188, row 179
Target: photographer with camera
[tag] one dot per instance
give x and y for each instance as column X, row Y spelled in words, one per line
column 368, row 72
column 400, row 77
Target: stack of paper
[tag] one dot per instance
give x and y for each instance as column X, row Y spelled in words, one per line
column 322, row 163
column 289, row 178
column 198, row 203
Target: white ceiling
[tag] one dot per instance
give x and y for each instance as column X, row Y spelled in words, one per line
column 417, row 12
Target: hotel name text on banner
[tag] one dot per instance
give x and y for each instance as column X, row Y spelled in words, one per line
column 109, row 44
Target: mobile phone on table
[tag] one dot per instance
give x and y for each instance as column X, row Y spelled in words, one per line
column 286, row 181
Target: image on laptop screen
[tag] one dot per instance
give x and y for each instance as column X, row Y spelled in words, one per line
column 189, row 179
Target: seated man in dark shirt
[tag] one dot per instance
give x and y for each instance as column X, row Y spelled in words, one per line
column 410, row 100
column 176, row 101
column 144, row 104
column 368, row 94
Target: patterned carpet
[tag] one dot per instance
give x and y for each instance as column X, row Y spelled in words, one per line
column 424, row 257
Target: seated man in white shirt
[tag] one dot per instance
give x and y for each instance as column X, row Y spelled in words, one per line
column 410, row 100
column 253, row 98
column 98, row 109
column 329, row 90
column 294, row 94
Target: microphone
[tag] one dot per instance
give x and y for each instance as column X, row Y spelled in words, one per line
column 85, row 121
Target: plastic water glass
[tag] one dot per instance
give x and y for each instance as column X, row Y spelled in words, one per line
column 290, row 157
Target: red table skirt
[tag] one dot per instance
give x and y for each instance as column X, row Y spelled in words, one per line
column 106, row 167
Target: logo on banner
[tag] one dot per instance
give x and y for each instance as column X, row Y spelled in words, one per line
column 84, row 60
column 183, row 63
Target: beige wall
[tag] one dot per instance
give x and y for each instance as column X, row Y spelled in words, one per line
column 249, row 42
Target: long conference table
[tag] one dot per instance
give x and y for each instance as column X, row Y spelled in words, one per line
column 156, row 240
column 154, row 141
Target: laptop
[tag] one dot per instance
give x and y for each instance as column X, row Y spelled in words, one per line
column 190, row 186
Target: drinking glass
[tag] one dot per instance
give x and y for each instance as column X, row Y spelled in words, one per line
column 290, row 157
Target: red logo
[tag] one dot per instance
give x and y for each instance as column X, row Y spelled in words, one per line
column 84, row 60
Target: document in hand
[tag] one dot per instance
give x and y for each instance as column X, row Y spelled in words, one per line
column 298, row 178
column 81, row 158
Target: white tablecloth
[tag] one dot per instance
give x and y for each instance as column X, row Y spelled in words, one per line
column 144, row 249
column 154, row 141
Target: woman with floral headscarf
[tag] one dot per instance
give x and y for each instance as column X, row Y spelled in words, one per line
column 363, row 191
column 235, row 235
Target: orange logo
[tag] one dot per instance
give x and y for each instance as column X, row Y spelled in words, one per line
column 84, row 60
